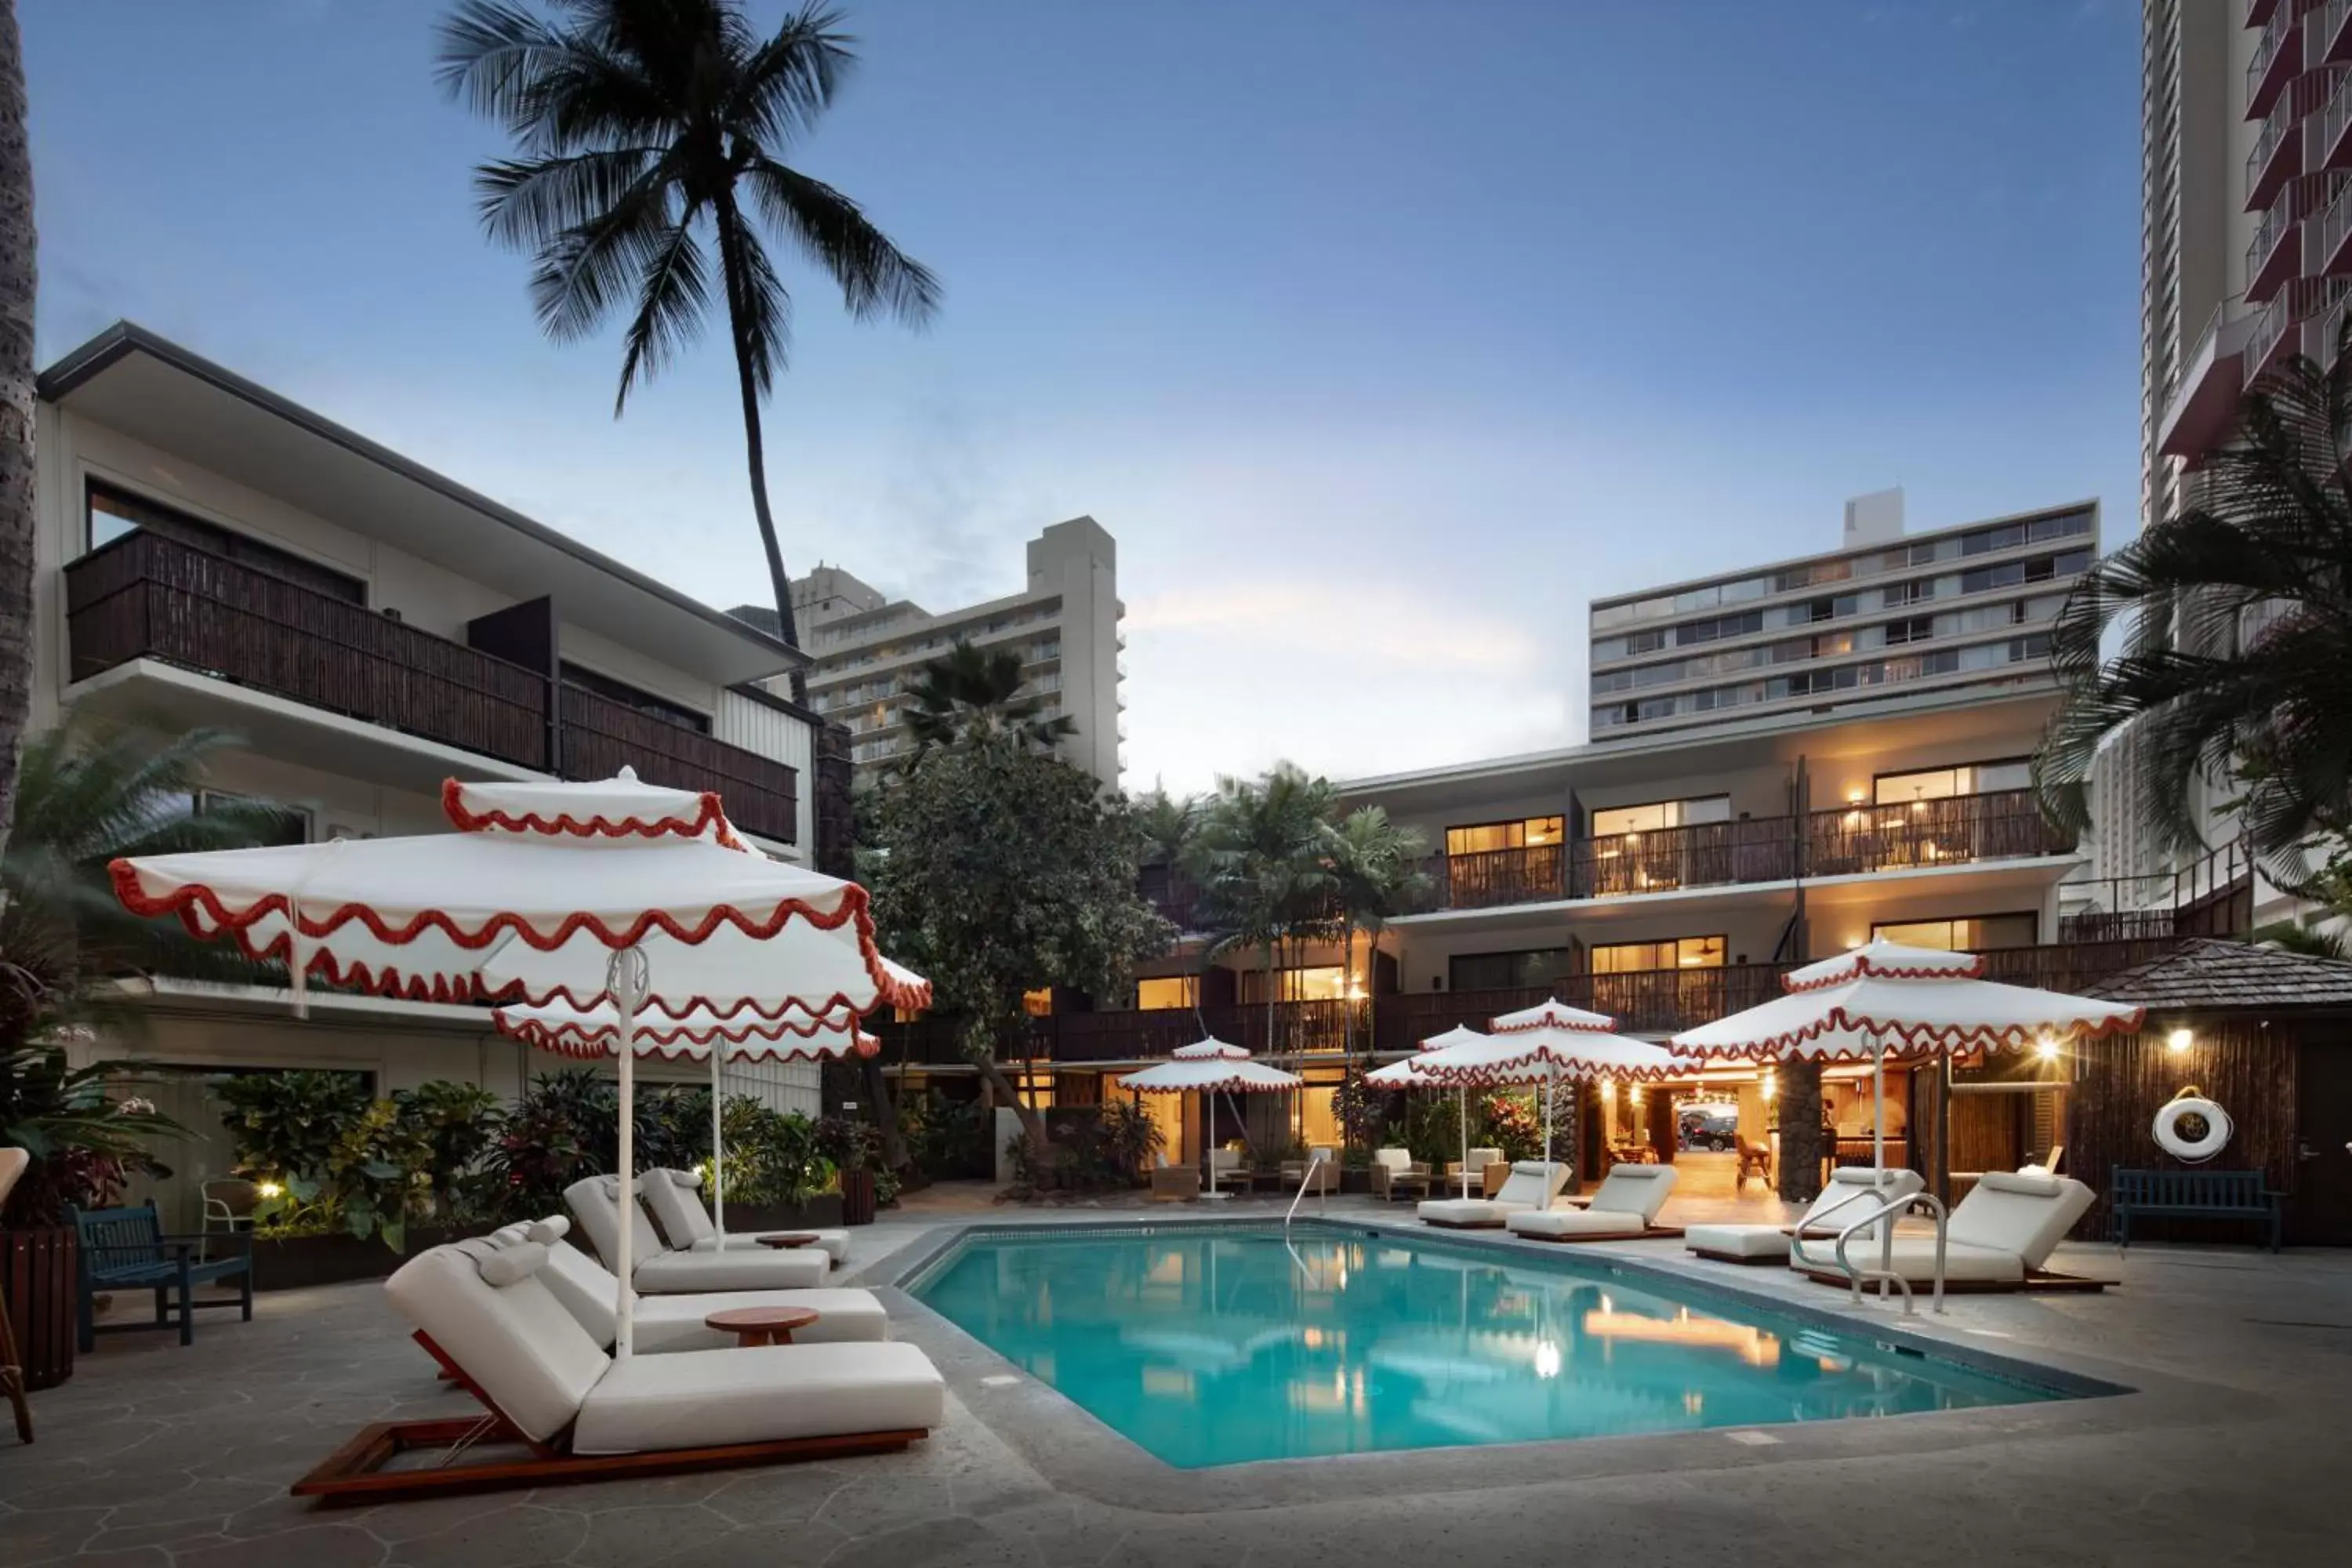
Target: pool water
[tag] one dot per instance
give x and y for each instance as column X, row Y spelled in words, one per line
column 1219, row 1345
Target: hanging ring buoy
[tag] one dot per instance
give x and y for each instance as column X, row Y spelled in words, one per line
column 2191, row 1128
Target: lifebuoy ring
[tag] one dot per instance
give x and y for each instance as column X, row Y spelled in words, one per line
column 2186, row 1104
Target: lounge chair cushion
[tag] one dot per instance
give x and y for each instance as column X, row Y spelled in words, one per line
column 1533, row 1183
column 673, row 1198
column 2028, row 1215
column 508, row 1264
column 698, row 1399
column 1640, row 1190
column 1914, row 1257
column 596, row 1204
column 691, row 1273
column 665, row 1323
column 1846, row 1183
column 1575, row 1222
column 1394, row 1159
column 1465, row 1211
column 517, row 1341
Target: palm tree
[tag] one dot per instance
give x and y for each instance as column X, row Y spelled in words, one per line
column 2241, row 633
column 16, row 530
column 972, row 694
column 644, row 127
column 1261, row 861
column 1375, row 874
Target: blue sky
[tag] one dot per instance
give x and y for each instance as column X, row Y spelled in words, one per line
column 1383, row 336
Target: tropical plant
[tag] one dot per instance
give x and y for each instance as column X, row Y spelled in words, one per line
column 287, row 1128
column 1262, row 859
column 85, row 1145
column 381, row 1176
column 1360, row 1109
column 1003, row 872
column 650, row 134
column 2239, row 631
column 2294, row 936
column 83, row 799
column 1166, row 824
column 1375, row 874
column 973, row 694
column 17, row 503
column 563, row 1128
column 459, row 1122
column 1130, row 1137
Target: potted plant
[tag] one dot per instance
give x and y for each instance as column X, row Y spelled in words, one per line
column 84, row 1145
column 776, row 1177
column 850, row 1145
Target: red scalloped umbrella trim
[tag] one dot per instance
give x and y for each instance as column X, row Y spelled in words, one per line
column 1509, row 1075
column 1861, row 966
column 1920, row 1039
column 1227, row 1085
column 677, row 1045
column 710, row 814
column 1607, row 1027
column 197, row 898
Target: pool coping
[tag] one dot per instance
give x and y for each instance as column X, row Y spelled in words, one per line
column 1078, row 1452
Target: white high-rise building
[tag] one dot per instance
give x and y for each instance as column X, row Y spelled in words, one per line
column 868, row 650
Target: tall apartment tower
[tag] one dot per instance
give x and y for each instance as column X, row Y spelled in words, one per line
column 1885, row 618
column 869, row 649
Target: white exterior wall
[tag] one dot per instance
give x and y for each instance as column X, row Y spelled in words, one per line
column 753, row 725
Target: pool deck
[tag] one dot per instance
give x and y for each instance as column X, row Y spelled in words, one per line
column 2232, row 1447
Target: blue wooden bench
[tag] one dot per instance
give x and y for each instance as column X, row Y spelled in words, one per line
column 126, row 1249
column 2194, row 1194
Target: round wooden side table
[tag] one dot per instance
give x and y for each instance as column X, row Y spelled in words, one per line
column 789, row 1238
column 761, row 1325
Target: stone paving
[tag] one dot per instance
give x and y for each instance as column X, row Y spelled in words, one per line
column 180, row 1458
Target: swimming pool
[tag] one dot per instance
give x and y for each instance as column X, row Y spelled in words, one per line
column 1221, row 1345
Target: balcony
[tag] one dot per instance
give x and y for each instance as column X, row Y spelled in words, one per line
column 2333, row 224
column 1490, row 878
column 2204, row 400
column 2258, row 12
column 2278, row 56
column 2335, row 125
column 2276, row 252
column 2331, row 27
column 145, row 597
column 1950, row 830
column 2277, row 158
column 1706, row 853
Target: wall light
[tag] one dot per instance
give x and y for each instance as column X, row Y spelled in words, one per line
column 1771, row 1086
column 269, row 1189
column 2046, row 1049
column 2178, row 1041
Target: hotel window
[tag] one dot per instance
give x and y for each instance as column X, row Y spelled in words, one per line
column 1173, row 991
column 1509, row 971
column 1910, row 593
column 111, row 513
column 1937, row 783
column 1649, row 641
column 1659, row 815
column 1638, row 957
column 1038, row 1003
column 1485, row 838
column 1320, row 982
column 1974, row 933
column 629, row 696
column 1918, row 628
column 1721, row 626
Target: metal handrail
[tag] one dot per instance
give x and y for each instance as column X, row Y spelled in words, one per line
column 1888, row 1211
column 1316, row 1160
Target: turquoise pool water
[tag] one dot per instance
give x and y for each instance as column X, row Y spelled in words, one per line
column 1215, row 1347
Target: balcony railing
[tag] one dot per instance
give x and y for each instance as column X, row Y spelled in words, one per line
column 1706, row 853
column 2262, row 82
column 1489, row 877
column 1960, row 828
column 2272, row 159
column 147, row 597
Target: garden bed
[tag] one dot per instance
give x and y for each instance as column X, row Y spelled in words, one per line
column 820, row 1211
column 294, row 1262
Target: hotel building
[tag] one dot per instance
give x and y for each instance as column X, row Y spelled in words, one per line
column 211, row 554
column 868, row 650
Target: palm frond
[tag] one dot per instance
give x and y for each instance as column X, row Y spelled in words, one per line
column 875, row 275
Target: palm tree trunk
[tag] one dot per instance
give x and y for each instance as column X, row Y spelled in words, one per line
column 754, row 450
column 17, row 523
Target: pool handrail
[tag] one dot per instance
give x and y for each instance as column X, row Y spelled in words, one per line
column 1316, row 1158
column 1888, row 1211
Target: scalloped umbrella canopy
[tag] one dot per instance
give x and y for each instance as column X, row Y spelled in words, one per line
column 1545, row 1043
column 1914, row 1004
column 612, row 892
column 1406, row 1073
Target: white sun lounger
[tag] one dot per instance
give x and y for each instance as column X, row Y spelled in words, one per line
column 674, row 1199
column 655, row 1270
column 1843, row 1199
column 663, row 1323
column 486, row 1313
column 1997, row 1239
column 1626, row 1204
column 1533, row 1185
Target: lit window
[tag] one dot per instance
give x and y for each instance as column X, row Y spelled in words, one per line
column 1635, row 957
column 1661, row 815
column 1937, row 783
column 1322, row 983
column 1038, row 1003
column 1176, row 991
column 1977, row 933
column 1529, row 833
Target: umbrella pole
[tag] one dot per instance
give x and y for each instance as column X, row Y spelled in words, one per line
column 1878, row 1153
column 625, row 977
column 718, row 1150
column 1462, row 1103
column 1549, row 1068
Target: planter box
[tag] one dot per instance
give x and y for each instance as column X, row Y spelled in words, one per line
column 293, row 1262
column 38, row 1271
column 820, row 1211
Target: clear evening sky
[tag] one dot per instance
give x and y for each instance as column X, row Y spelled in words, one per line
column 1380, row 335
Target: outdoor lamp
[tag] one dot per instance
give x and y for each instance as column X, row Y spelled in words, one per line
column 2178, row 1041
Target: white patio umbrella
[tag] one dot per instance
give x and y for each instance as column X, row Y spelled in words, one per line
column 1406, row 1073
column 1914, row 1004
column 612, row 892
column 1545, row 1043
column 1209, row 1067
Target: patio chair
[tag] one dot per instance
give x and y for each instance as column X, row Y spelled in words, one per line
column 229, row 1203
column 595, row 1205
column 486, row 1314
column 1533, row 1185
column 666, row 1323
column 1480, row 1162
column 1755, row 1161
column 1228, row 1167
column 1323, row 1163
column 127, row 1249
column 1625, row 1206
column 1843, row 1199
column 671, row 1196
column 12, row 1163
column 1997, row 1238
column 1396, row 1174
column 1174, row 1183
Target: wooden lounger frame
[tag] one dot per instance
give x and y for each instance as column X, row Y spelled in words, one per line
column 355, row 1473
column 2036, row 1282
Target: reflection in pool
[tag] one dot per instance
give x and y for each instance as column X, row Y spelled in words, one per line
column 1212, row 1345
